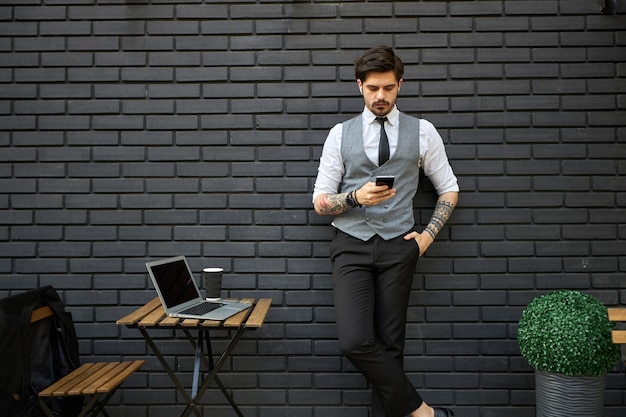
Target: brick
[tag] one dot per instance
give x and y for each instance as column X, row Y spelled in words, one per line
column 152, row 43
column 535, row 200
column 562, row 216
column 92, row 201
column 109, row 91
column 284, row 26
column 31, row 139
column 174, row 91
column 226, row 122
column 535, row 70
column 227, row 184
column 37, row 266
column 562, row 24
column 480, row 8
column 167, row 216
column 502, row 24
column 163, row 250
column 589, row 167
column 439, row 24
column 226, row 217
column 270, row 169
column 547, row 167
column 100, row 43
column 202, row 11
column 148, row 74
column 597, row 102
column 526, row 265
column 543, row 39
column 589, row 232
column 476, row 71
column 538, row 102
column 263, row 106
column 146, row 233
column 421, row 9
column 105, row 217
column 118, row 28
column 219, row 58
column 17, row 122
column 33, row 107
column 19, row 29
column 233, row 249
column 447, row 55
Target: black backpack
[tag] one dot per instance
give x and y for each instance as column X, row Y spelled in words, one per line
column 34, row 355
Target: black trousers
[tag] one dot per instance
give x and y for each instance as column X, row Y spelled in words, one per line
column 371, row 284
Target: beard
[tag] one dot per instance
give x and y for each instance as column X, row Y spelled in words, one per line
column 380, row 108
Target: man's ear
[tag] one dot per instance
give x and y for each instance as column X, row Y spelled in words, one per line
column 399, row 84
column 360, row 84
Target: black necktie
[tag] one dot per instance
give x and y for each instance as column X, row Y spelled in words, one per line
column 383, row 145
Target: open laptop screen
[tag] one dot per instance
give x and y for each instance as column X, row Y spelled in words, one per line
column 175, row 282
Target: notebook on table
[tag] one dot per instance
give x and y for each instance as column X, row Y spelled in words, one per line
column 179, row 293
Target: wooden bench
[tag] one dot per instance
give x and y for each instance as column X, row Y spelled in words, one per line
column 618, row 315
column 99, row 380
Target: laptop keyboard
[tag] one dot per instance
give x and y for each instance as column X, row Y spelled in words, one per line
column 201, row 308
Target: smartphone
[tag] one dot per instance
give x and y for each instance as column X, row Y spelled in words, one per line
column 385, row 180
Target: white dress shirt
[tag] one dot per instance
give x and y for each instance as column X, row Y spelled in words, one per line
column 433, row 158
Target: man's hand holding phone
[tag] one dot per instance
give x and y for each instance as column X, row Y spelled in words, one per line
column 374, row 193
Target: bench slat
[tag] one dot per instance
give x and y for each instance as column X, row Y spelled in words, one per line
column 121, row 375
column 91, row 378
column 99, row 370
column 617, row 314
column 60, row 387
column 619, row 336
column 41, row 313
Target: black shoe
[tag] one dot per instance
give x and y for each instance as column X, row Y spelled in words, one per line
column 443, row 412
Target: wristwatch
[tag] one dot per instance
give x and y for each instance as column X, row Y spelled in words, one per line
column 350, row 200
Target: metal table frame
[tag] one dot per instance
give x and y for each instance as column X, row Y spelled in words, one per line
column 152, row 316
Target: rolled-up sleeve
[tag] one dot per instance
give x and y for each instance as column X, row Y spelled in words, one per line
column 331, row 168
column 435, row 160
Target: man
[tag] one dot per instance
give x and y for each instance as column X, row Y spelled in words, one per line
column 376, row 247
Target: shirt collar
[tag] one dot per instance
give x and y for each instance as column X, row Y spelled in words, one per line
column 392, row 116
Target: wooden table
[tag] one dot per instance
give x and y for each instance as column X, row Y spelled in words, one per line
column 152, row 316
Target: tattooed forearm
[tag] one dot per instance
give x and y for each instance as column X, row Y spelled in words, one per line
column 441, row 214
column 332, row 204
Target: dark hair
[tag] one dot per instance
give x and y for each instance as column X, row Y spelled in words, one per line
column 378, row 59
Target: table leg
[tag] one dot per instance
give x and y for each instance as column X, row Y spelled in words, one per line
column 212, row 367
column 196, row 364
column 217, row 379
column 189, row 400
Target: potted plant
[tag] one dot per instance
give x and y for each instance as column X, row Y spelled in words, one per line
column 566, row 336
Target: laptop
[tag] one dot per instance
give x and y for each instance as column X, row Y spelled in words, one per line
column 179, row 293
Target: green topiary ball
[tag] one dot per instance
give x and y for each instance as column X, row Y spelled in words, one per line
column 568, row 332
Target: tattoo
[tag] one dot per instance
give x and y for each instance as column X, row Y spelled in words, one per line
column 441, row 214
column 333, row 203
column 430, row 231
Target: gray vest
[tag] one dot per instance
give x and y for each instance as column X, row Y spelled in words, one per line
column 393, row 217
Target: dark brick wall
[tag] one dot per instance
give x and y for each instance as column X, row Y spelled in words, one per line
column 139, row 130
